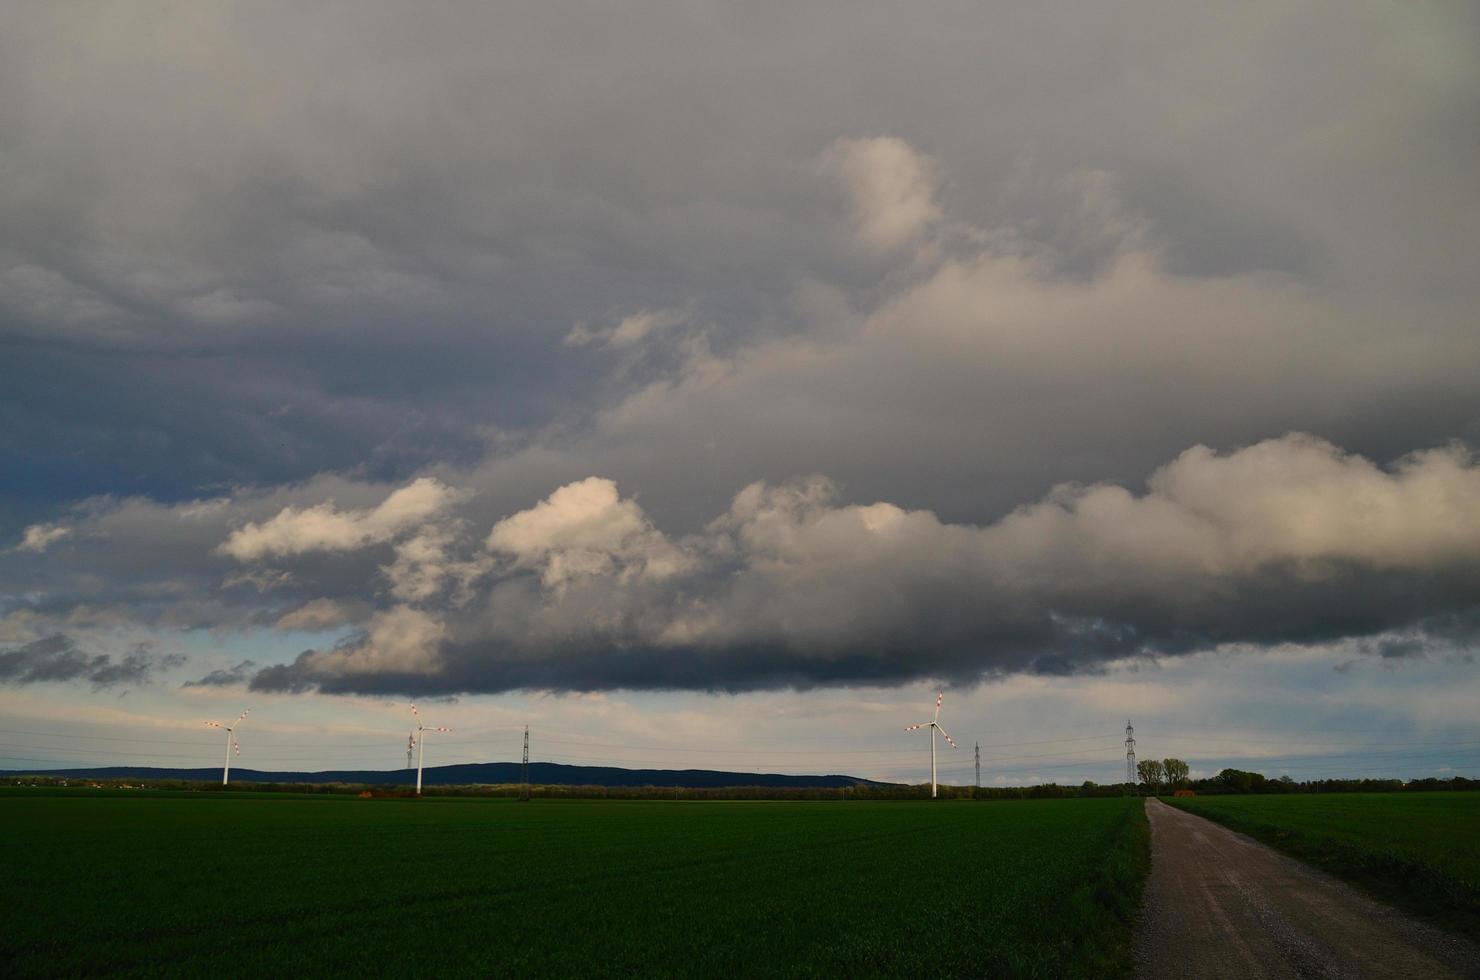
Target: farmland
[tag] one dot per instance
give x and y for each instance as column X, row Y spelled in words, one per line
column 1421, row 850
column 191, row 883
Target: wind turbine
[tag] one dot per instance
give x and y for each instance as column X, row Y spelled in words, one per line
column 421, row 743
column 232, row 745
column 934, row 726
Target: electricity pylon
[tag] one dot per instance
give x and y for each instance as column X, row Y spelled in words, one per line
column 1130, row 754
column 524, row 793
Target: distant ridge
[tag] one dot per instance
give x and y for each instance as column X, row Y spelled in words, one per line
column 540, row 773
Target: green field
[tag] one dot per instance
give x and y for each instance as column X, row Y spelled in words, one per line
column 279, row 885
column 1421, row 850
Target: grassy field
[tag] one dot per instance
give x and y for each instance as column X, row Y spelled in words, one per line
column 274, row 884
column 1421, row 850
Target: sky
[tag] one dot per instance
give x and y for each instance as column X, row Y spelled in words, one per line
column 710, row 385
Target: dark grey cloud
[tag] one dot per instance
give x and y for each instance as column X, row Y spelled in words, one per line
column 1290, row 542
column 226, row 677
column 959, row 638
column 268, row 264
column 354, row 238
column 58, row 658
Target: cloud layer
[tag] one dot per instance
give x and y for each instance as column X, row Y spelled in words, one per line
column 236, row 248
column 323, row 528
column 833, row 347
column 1288, row 541
column 57, row 658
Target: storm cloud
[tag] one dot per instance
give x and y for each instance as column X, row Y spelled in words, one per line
column 1288, row 541
column 679, row 349
column 58, row 658
column 226, row 677
column 249, row 244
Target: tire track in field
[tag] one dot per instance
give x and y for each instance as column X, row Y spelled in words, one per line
column 1220, row 904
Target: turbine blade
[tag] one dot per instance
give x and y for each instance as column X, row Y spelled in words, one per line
column 922, row 724
column 213, row 724
column 947, row 737
column 939, row 697
column 242, row 716
column 414, row 712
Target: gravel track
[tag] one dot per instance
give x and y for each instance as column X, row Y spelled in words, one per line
column 1219, row 904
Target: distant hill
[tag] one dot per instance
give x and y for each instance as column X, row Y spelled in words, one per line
column 540, row 773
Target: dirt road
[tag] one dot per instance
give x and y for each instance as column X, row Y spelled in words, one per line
column 1219, row 904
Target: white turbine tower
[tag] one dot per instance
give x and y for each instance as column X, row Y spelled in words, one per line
column 232, row 745
column 934, row 726
column 421, row 743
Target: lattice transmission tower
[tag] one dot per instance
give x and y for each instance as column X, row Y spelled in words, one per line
column 524, row 793
column 1130, row 753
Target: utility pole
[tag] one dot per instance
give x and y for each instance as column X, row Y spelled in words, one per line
column 978, row 765
column 524, row 794
column 1130, row 753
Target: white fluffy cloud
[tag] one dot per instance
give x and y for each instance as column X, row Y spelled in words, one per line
column 323, row 527
column 1295, row 503
column 629, row 331
column 319, row 614
column 398, row 640
column 39, row 537
column 585, row 529
column 891, row 186
column 1288, row 539
column 426, row 565
column 1297, row 500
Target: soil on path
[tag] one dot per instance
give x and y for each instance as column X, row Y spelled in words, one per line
column 1219, row 904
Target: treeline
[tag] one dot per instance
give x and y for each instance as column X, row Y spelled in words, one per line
column 1167, row 776
column 1239, row 781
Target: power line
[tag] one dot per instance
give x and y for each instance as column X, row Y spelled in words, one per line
column 1411, row 753
column 152, row 755
column 102, row 738
column 1344, row 755
column 1238, row 740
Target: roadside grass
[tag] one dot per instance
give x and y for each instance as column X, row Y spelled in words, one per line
column 191, row 883
column 1420, row 851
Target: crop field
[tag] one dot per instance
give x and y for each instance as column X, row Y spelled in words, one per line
column 1421, row 850
column 280, row 885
